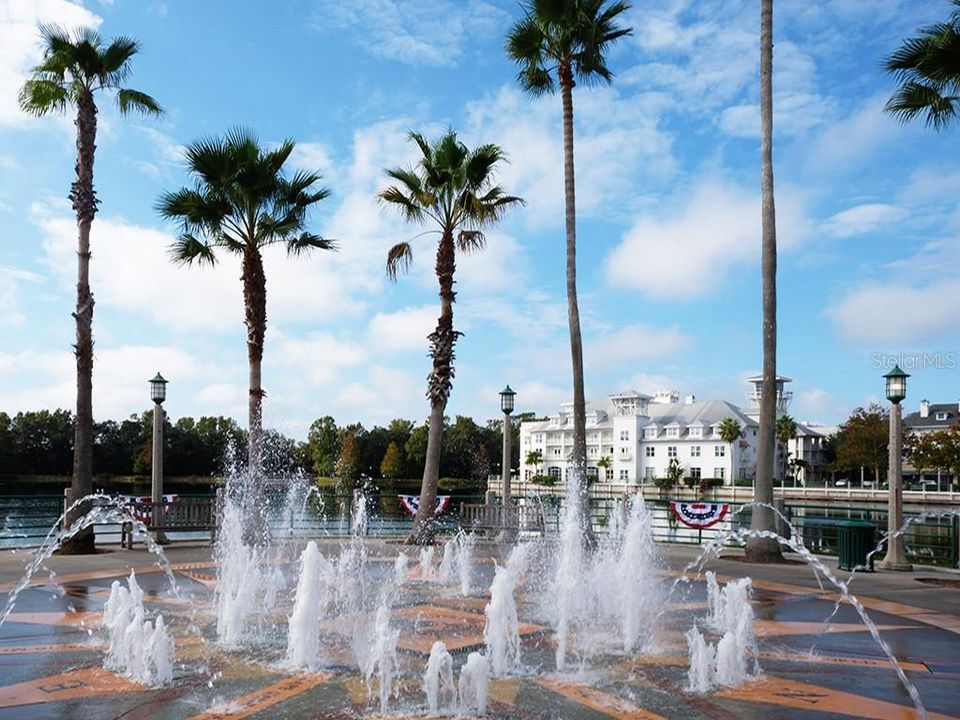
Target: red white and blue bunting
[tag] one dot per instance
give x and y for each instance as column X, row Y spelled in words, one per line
column 410, row 503
column 699, row 515
column 140, row 506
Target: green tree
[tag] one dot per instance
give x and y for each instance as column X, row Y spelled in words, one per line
column 348, row 462
column 43, row 442
column 242, row 202
column 861, row 441
column 416, row 449
column 392, row 467
column 766, row 549
column 938, row 450
column 605, row 463
column 480, row 463
column 323, row 443
column 730, row 429
column 927, row 68
column 568, row 39
column 7, row 448
column 451, row 187
column 75, row 66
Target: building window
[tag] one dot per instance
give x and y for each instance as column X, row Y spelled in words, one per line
column 941, row 416
column 592, row 472
column 625, row 435
column 624, row 450
column 624, row 475
column 719, row 450
column 695, row 472
column 553, row 472
column 671, row 451
column 649, row 473
column 694, row 451
column 609, row 473
column 650, row 432
column 592, row 452
column 673, row 432
column 696, row 432
column 719, row 473
column 650, row 451
column 556, row 452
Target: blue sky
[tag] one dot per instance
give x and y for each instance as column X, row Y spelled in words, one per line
column 669, row 219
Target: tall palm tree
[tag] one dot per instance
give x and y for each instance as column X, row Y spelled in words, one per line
column 241, row 202
column 451, row 187
column 928, row 69
column 568, row 39
column 75, row 66
column 761, row 549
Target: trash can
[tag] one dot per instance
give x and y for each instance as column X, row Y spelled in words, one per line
column 855, row 540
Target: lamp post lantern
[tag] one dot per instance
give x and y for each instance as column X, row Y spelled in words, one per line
column 158, row 393
column 896, row 558
column 506, row 405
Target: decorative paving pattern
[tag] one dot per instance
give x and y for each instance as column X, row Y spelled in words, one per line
column 48, row 659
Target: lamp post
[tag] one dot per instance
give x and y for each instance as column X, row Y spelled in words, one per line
column 506, row 404
column 158, row 393
column 896, row 558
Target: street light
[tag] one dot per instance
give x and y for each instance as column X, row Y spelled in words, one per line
column 896, row 558
column 506, row 405
column 158, row 393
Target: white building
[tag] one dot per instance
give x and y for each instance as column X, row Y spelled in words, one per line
column 641, row 434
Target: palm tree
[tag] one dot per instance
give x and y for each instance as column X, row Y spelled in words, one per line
column 605, row 463
column 74, row 67
column 729, row 429
column 242, row 202
column 927, row 68
column 451, row 186
column 786, row 431
column 568, row 38
column 534, row 457
column 765, row 549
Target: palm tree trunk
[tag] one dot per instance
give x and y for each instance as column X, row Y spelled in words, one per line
column 766, row 549
column 84, row 200
column 439, row 384
column 255, row 307
column 579, row 459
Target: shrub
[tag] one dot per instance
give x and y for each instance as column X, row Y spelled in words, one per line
column 544, row 480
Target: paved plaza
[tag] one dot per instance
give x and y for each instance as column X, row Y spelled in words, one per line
column 51, row 649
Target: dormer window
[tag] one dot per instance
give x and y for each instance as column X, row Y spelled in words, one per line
column 941, row 416
column 650, row 432
column 673, row 432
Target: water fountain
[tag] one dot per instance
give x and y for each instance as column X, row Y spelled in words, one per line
column 138, row 649
column 474, row 684
column 438, row 679
column 310, row 605
column 501, row 632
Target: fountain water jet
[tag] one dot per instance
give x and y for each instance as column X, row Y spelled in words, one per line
column 474, row 684
column 138, row 649
column 438, row 679
column 501, row 633
column 309, row 607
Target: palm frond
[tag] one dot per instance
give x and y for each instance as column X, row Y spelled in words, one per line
column 134, row 100
column 411, row 210
column 116, row 59
column 913, row 99
column 470, row 241
column 308, row 241
column 188, row 250
column 40, row 96
column 56, row 40
column 399, row 258
column 422, row 144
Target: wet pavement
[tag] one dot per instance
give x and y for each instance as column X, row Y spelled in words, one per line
column 51, row 649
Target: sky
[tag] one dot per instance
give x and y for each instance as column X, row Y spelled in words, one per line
column 667, row 162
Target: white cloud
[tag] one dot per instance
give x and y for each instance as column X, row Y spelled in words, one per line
column 311, row 157
column 861, row 219
column 316, row 359
column 896, row 314
column 11, row 278
column 635, row 342
column 817, row 405
column 405, row 329
column 686, row 252
column 20, row 47
column 428, row 32
column 131, row 271
column 619, row 149
column 844, row 145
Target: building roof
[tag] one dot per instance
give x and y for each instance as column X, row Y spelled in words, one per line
column 930, row 423
column 705, row 413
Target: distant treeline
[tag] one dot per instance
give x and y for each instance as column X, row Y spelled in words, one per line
column 41, row 443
